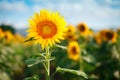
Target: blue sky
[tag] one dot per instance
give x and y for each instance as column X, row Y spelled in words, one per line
column 98, row 14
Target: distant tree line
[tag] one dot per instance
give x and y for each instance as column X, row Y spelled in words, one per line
column 6, row 27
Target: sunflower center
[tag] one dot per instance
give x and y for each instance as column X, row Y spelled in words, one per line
column 6, row 37
column 69, row 31
column 74, row 50
column 82, row 28
column 109, row 35
column 46, row 29
column 70, row 36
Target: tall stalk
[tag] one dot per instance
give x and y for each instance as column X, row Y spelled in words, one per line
column 48, row 56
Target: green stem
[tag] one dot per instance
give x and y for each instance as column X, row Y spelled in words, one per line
column 81, row 62
column 48, row 55
column 53, row 73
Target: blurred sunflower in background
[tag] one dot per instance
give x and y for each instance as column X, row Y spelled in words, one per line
column 47, row 28
column 71, row 37
column 99, row 36
column 102, row 32
column 83, row 29
column 70, row 30
column 110, row 36
column 73, row 50
column 8, row 36
column 70, row 33
column 106, row 35
column 1, row 33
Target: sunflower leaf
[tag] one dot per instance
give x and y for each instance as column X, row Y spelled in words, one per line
column 35, row 77
column 33, row 60
column 59, row 46
column 78, row 73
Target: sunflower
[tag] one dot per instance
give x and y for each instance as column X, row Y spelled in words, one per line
column 47, row 28
column 71, row 37
column 102, row 32
column 83, row 29
column 70, row 30
column 1, row 33
column 8, row 36
column 73, row 50
column 110, row 36
column 70, row 33
column 107, row 35
column 99, row 36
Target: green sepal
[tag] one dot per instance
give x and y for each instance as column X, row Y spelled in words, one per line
column 30, row 39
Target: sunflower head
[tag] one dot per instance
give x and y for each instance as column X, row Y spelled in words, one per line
column 70, row 30
column 83, row 29
column 47, row 28
column 102, row 32
column 8, row 36
column 70, row 33
column 110, row 36
column 1, row 33
column 73, row 50
column 71, row 37
column 99, row 37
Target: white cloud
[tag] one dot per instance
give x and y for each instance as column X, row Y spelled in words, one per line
column 88, row 11
column 13, row 6
column 21, row 24
column 36, row 8
column 17, row 25
column 36, row 1
column 74, row 11
column 114, row 2
column 5, row 22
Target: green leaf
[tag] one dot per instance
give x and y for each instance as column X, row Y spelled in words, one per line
column 36, row 77
column 88, row 59
column 78, row 73
column 33, row 60
column 30, row 39
column 59, row 46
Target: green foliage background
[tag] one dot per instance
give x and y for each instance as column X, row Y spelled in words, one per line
column 99, row 61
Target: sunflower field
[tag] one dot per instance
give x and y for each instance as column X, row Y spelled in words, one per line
column 56, row 50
